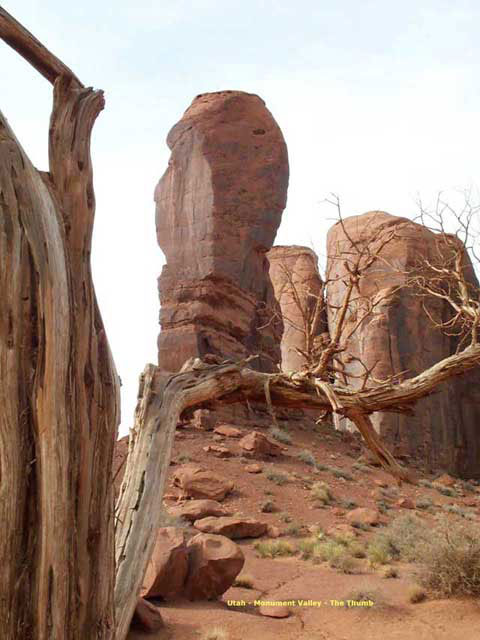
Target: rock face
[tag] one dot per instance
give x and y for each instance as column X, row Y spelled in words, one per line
column 298, row 288
column 196, row 482
column 232, row 527
column 214, row 563
column 167, row 569
column 218, row 208
column 399, row 337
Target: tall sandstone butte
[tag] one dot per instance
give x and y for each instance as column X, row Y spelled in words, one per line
column 400, row 337
column 299, row 290
column 218, row 208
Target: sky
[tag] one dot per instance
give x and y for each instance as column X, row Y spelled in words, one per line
column 378, row 102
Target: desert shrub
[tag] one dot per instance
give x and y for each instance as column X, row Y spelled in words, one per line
column 321, row 467
column 454, row 508
column 337, row 555
column 320, row 491
column 404, row 538
column 281, row 435
column 383, row 506
column 361, row 525
column 390, row 572
column 451, row 560
column 274, row 548
column 347, row 504
column 416, row 594
column 285, row 517
column 426, row 483
column 306, row 546
column 424, row 503
column 358, row 466
column 294, row 529
column 244, row 580
column 378, row 551
column 307, row 457
column 357, row 549
column 340, row 473
column 277, row 477
column 268, row 506
column 446, row 491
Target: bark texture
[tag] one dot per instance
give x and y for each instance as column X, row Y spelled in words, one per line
column 58, row 386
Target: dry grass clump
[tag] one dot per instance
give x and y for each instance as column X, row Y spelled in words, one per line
column 320, row 492
column 268, row 506
column 280, row 435
column 390, row 572
column 416, row 594
column 274, row 548
column 278, row 477
column 307, row 457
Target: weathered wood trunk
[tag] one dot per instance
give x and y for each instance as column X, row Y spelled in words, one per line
column 58, row 386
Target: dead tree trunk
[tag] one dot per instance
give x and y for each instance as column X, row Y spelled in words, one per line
column 58, row 386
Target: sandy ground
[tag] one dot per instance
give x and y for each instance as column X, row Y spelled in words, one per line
column 392, row 617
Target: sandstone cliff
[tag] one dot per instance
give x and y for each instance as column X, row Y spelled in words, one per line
column 299, row 290
column 399, row 336
column 218, row 208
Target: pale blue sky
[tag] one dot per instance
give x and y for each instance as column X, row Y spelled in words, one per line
column 378, row 101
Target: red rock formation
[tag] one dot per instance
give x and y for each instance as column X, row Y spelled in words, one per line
column 197, row 482
column 214, row 563
column 298, row 288
column 400, row 337
column 219, row 205
column 167, row 569
column 232, row 527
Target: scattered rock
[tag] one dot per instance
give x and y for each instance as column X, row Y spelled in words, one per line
column 167, row 569
column 147, row 617
column 281, row 611
column 256, row 444
column 196, row 509
column 218, row 450
column 253, row 468
column 214, row 563
column 203, row 419
column 196, row 482
column 228, row 430
column 446, row 480
column 232, row 527
column 405, row 503
column 363, row 515
column 273, row 532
